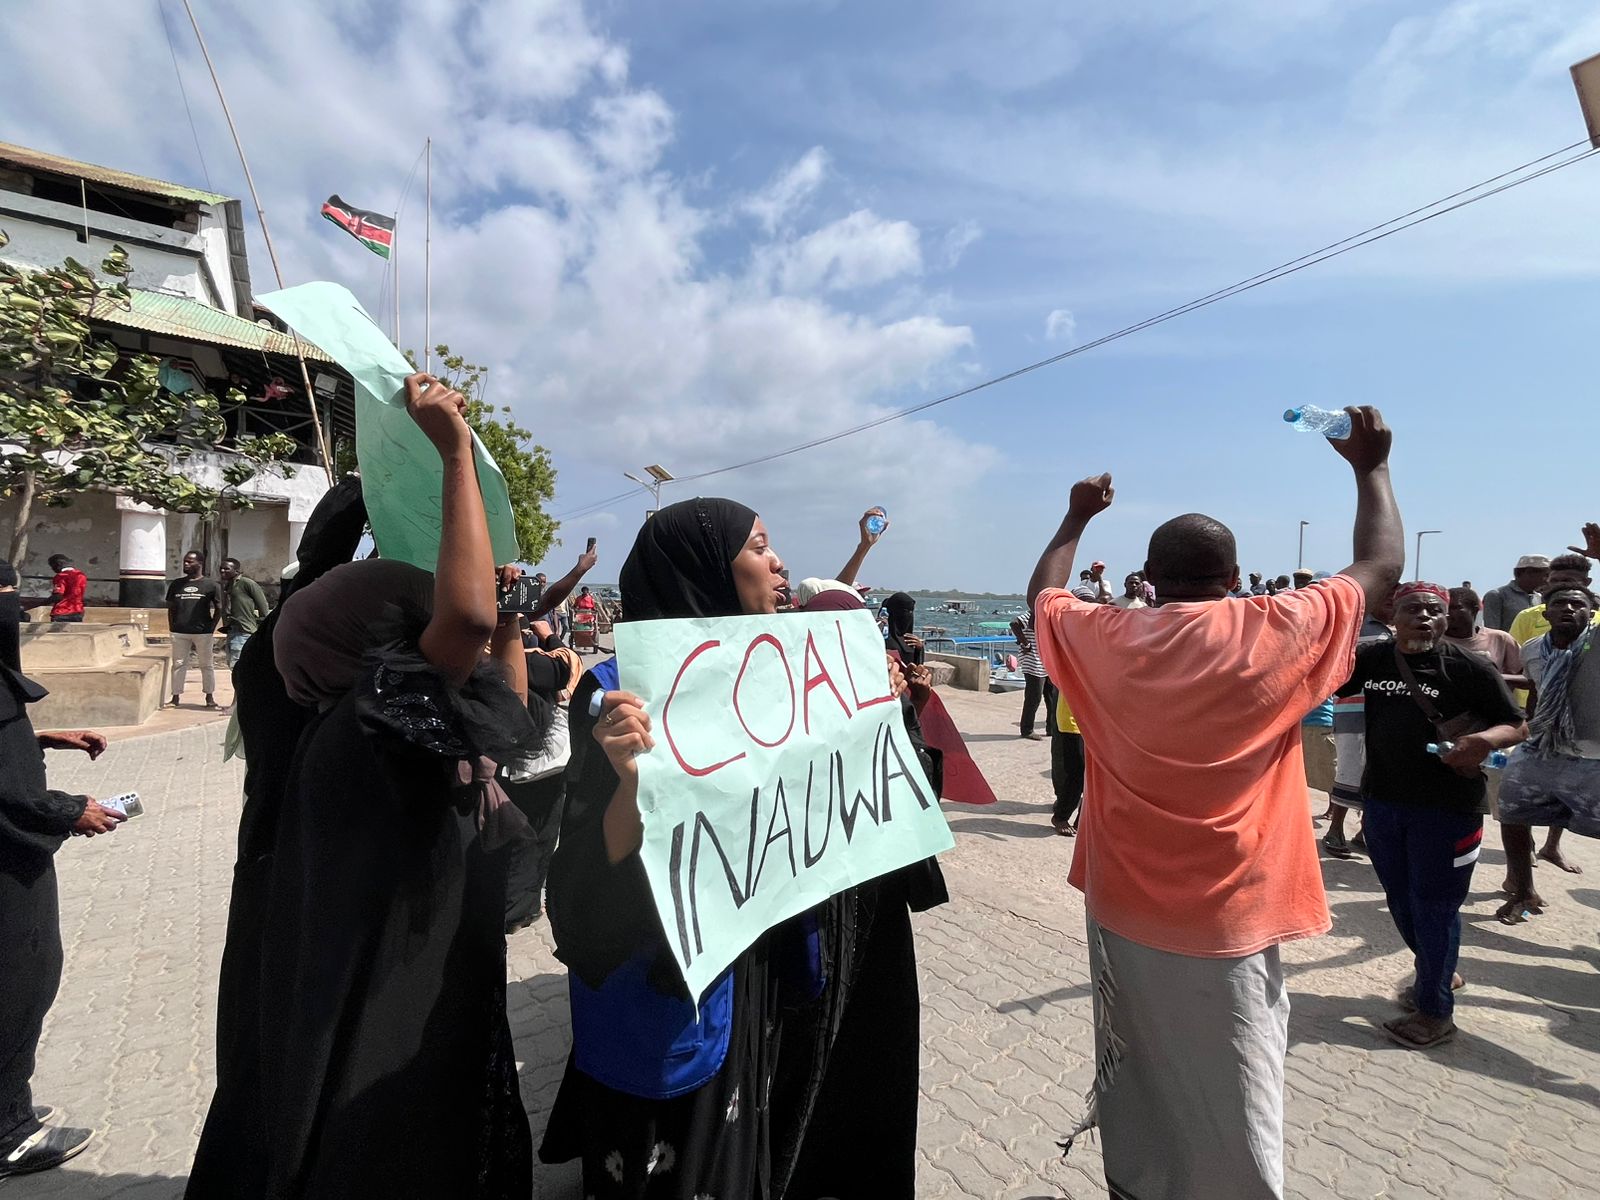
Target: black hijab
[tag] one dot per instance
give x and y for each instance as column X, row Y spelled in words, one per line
column 681, row 564
column 10, row 618
column 902, row 612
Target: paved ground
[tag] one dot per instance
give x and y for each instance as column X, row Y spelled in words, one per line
column 1511, row 1108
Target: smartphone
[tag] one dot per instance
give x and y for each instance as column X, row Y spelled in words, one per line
column 127, row 804
column 590, row 549
column 520, row 597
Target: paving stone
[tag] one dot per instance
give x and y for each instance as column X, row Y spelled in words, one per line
column 1511, row 1108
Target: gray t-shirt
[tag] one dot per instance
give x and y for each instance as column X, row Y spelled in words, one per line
column 1583, row 691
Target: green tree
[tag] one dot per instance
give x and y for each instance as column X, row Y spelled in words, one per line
column 530, row 479
column 78, row 413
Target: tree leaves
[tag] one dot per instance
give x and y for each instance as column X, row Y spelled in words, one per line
column 77, row 412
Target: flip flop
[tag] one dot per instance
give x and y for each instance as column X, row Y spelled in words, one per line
column 1392, row 1028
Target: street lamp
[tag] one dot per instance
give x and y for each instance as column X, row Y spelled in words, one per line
column 1422, row 533
column 1300, row 560
column 658, row 475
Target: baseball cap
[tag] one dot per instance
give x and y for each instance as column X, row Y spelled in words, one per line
column 1533, row 561
column 1098, row 563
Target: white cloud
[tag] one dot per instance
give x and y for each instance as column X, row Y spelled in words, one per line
column 1060, row 325
column 788, row 190
column 565, row 257
column 956, row 241
column 857, row 251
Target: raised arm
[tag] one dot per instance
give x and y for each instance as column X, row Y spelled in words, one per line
column 464, row 605
column 1380, row 538
column 1088, row 498
column 563, row 587
column 868, row 541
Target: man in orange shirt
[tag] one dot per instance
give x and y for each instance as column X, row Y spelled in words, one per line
column 1195, row 854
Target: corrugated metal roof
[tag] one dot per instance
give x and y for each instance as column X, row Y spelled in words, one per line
column 175, row 317
column 37, row 160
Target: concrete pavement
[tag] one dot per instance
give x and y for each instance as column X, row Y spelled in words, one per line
column 1510, row 1108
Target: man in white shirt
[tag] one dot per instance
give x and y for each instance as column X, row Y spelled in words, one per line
column 1132, row 592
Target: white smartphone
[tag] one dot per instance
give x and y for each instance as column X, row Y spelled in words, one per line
column 127, row 804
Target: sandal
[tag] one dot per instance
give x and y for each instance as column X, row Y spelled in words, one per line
column 1393, row 1029
column 1064, row 828
column 1336, row 845
column 1406, row 997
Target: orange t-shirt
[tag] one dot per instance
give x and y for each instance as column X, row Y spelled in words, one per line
column 1195, row 837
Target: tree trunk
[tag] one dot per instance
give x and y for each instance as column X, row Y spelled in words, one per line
column 19, row 531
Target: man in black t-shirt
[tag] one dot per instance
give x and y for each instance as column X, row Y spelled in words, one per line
column 1424, row 811
column 194, row 606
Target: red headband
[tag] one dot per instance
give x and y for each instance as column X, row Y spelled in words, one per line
column 1420, row 587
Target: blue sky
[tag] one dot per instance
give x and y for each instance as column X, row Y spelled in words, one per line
column 696, row 233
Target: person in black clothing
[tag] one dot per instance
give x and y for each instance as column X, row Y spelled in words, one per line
column 667, row 1100
column 378, row 1058
column 538, row 786
column 194, row 607
column 1424, row 812
column 34, row 821
column 270, row 724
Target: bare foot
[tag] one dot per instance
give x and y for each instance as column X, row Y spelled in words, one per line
column 1553, row 856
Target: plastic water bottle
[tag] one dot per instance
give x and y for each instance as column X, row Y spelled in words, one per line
column 1496, row 760
column 1308, row 418
column 876, row 524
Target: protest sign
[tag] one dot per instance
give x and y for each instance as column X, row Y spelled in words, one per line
column 782, row 773
column 401, row 474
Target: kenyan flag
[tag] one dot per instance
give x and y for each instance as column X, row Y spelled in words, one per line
column 373, row 230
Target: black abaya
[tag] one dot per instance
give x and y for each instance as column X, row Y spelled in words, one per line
column 383, row 1061
column 34, row 821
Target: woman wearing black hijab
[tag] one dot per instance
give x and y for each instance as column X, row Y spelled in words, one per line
column 382, row 1062
column 658, row 1103
column 902, row 613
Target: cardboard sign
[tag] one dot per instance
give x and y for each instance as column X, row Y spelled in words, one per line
column 401, row 474
column 782, row 773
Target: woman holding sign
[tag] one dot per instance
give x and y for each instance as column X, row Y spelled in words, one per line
column 368, row 1052
column 664, row 1098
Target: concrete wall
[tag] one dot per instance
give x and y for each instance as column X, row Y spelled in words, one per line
column 88, row 531
column 967, row 673
column 191, row 264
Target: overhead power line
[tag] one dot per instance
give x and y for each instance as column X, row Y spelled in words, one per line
column 1482, row 190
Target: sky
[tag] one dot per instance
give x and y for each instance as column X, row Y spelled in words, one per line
column 696, row 233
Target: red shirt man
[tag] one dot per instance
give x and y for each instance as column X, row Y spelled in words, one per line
column 68, row 588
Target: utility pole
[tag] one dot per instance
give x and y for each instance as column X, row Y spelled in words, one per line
column 658, row 475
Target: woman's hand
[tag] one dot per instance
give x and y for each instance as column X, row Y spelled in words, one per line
column 897, row 677
column 623, row 732
column 920, row 680
column 440, row 412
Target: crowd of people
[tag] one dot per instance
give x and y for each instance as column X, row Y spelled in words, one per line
column 431, row 765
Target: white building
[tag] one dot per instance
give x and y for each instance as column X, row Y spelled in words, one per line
column 191, row 306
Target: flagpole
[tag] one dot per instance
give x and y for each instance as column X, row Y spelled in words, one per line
column 427, row 265
column 394, row 278
column 266, row 234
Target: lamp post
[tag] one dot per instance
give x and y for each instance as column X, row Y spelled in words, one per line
column 658, row 475
column 1300, row 559
column 1417, row 559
